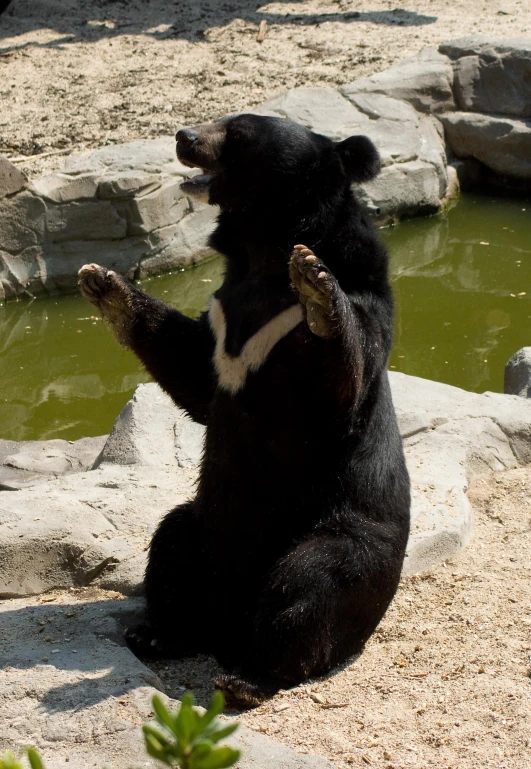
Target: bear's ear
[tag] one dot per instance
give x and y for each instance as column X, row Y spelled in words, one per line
column 360, row 158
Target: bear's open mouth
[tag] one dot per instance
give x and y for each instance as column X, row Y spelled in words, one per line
column 198, row 185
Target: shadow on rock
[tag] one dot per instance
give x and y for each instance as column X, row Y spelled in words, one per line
column 70, row 655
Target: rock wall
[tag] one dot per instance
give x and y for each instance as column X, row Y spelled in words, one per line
column 122, row 206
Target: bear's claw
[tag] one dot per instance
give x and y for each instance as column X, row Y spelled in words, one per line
column 111, row 294
column 317, row 289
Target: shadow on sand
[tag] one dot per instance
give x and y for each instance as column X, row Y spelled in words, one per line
column 75, row 20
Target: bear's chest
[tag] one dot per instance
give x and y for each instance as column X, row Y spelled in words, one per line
column 245, row 337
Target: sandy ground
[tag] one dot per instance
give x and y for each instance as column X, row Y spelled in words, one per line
column 446, row 680
column 84, row 73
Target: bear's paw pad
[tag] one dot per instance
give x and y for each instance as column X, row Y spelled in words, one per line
column 317, row 289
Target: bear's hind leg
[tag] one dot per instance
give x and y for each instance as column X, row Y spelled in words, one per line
column 322, row 603
column 173, row 590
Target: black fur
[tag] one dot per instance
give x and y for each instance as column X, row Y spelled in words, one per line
column 294, row 544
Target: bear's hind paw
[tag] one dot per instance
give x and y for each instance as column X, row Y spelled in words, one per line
column 243, row 693
column 143, row 642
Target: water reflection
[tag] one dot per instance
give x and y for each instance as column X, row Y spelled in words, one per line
column 461, row 285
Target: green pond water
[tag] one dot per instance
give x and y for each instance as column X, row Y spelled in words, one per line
column 462, row 284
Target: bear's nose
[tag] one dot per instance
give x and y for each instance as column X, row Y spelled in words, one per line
column 186, row 137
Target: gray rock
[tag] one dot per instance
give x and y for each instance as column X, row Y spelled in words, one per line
column 127, row 184
column 29, row 460
column 11, row 179
column 94, row 220
column 502, row 144
column 323, row 110
column 150, row 431
column 424, row 81
column 22, row 222
column 120, row 206
column 94, row 527
column 517, row 379
column 155, row 209
column 72, row 688
column 450, row 436
column 78, row 528
column 61, row 188
column 492, row 76
column 414, row 177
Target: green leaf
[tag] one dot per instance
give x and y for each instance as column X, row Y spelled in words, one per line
column 201, row 751
column 155, row 750
column 216, row 707
column 34, row 759
column 188, row 722
column 8, row 761
column 219, row 733
column 153, row 732
column 164, row 717
column 218, row 759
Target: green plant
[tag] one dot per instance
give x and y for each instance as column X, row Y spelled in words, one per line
column 189, row 739
column 9, row 761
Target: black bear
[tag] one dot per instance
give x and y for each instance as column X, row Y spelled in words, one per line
column 296, row 538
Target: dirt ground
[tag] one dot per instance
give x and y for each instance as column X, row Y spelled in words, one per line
column 446, row 680
column 84, row 73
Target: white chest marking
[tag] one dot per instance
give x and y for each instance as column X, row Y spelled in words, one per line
column 232, row 372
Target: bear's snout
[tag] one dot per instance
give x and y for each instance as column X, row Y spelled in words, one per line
column 186, row 137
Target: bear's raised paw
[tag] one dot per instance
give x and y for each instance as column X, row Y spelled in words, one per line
column 317, row 289
column 112, row 295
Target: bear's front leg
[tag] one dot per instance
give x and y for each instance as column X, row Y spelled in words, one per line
column 176, row 350
column 319, row 292
column 112, row 295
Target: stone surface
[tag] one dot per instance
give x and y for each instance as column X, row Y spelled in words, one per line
column 69, row 686
column 517, row 379
column 94, row 527
column 491, row 76
column 502, row 144
column 424, row 81
column 11, row 179
column 414, row 177
column 450, row 435
column 151, row 431
column 118, row 206
column 27, row 461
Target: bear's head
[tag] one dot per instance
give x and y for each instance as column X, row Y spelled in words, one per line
column 268, row 163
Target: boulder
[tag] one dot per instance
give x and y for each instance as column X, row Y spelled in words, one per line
column 11, row 179
column 119, row 206
column 491, row 76
column 28, row 461
column 502, row 144
column 93, row 527
column 414, row 178
column 450, row 436
column 425, row 81
column 70, row 687
column 152, row 432
column 517, row 379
